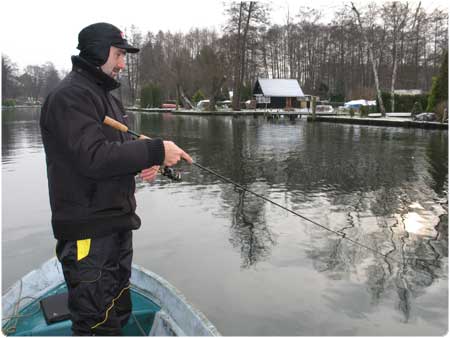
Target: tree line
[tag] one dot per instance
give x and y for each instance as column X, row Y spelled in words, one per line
column 361, row 49
column 30, row 86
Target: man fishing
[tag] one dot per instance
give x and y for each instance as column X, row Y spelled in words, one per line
column 91, row 172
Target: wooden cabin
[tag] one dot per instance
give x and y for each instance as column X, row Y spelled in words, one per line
column 277, row 93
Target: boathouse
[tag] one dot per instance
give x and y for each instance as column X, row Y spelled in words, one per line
column 277, row 93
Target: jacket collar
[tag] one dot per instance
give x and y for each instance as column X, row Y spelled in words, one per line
column 81, row 66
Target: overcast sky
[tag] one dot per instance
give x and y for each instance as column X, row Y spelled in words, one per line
column 34, row 32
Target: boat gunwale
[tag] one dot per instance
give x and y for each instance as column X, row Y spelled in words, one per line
column 180, row 302
column 143, row 281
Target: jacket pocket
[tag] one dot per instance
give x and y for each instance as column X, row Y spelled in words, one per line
column 83, row 247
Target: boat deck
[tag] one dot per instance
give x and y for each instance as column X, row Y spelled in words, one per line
column 31, row 321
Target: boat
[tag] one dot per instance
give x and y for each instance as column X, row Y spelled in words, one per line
column 159, row 309
column 325, row 109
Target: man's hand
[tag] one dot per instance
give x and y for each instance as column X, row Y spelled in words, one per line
column 173, row 154
column 150, row 173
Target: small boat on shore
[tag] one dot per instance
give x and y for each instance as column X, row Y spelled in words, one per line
column 159, row 309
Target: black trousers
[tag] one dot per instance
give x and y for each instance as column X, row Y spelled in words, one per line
column 97, row 273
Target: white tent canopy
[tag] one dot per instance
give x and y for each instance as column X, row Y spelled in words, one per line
column 361, row 102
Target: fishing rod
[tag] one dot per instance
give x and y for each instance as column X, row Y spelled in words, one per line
column 167, row 171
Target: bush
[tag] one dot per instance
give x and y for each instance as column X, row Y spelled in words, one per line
column 364, row 111
column 223, row 94
column 373, row 110
column 9, row 103
column 198, row 96
column 440, row 110
column 246, row 93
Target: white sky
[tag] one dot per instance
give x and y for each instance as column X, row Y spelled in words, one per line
column 34, row 32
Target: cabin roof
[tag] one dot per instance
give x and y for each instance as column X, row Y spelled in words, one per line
column 280, row 87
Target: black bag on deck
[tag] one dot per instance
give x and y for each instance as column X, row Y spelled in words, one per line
column 55, row 308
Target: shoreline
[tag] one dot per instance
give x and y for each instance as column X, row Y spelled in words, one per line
column 404, row 122
column 398, row 120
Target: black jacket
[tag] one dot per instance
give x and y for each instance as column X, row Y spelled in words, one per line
column 90, row 166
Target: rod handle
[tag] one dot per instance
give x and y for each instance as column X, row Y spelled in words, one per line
column 115, row 124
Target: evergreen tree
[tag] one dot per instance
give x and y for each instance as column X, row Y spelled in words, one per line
column 439, row 88
column 146, row 96
column 198, row 96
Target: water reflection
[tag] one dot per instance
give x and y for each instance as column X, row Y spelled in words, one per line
column 383, row 187
column 249, row 230
column 20, row 131
column 380, row 184
column 436, row 155
column 374, row 170
column 417, row 265
column 417, row 258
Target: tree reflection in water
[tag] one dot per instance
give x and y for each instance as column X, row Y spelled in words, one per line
column 380, row 186
column 417, row 259
column 249, row 231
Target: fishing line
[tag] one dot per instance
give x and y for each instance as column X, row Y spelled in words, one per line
column 338, row 233
column 119, row 126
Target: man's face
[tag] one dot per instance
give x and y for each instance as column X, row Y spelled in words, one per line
column 115, row 62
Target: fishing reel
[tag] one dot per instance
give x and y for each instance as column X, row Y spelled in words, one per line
column 171, row 173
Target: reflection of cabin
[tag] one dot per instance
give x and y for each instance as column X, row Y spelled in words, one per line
column 277, row 93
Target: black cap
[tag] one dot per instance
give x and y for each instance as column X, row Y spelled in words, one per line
column 94, row 42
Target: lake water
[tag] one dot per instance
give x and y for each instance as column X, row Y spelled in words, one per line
column 251, row 267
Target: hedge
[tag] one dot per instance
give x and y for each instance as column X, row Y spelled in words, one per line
column 403, row 103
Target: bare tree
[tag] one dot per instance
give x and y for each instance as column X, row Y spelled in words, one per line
column 132, row 61
column 395, row 15
column 244, row 18
column 9, row 78
column 415, row 36
column 211, row 67
column 371, row 24
column 356, row 55
column 336, row 59
column 50, row 79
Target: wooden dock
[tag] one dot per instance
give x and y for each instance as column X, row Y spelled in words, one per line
column 387, row 122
